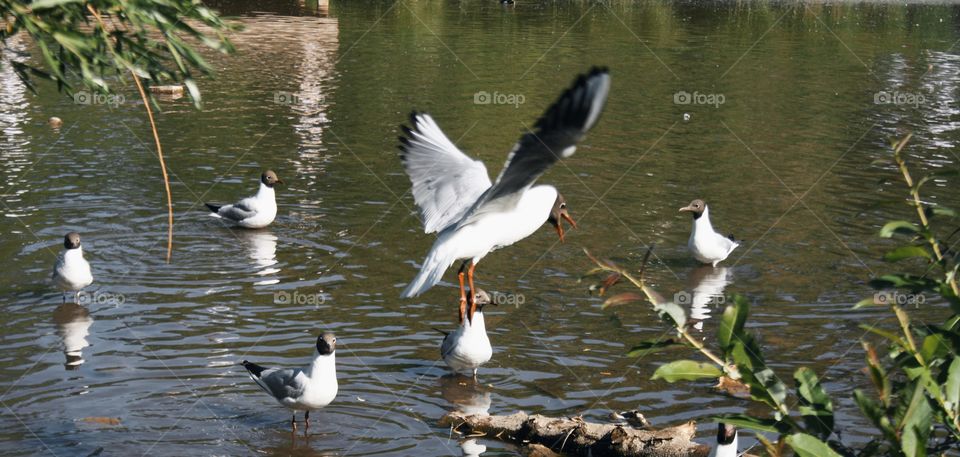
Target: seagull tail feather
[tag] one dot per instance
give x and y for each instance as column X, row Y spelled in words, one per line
column 214, row 208
column 431, row 272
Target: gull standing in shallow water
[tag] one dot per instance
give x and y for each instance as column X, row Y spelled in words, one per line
column 304, row 389
column 253, row 212
column 707, row 245
column 468, row 347
column 474, row 216
column 72, row 271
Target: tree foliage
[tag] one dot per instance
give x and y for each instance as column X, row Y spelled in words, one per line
column 94, row 44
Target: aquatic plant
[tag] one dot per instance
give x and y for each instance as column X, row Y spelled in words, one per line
column 915, row 405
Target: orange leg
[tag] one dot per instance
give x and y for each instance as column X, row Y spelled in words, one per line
column 473, row 291
column 463, row 293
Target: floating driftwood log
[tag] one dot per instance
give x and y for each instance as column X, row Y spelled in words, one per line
column 574, row 436
column 167, row 90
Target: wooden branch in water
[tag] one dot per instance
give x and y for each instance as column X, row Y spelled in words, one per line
column 574, row 436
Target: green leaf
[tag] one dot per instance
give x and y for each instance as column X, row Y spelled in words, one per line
column 815, row 405
column 686, row 370
column 906, row 252
column 904, row 227
column 193, row 90
column 915, row 425
column 913, row 282
column 893, row 337
column 769, row 388
column 41, row 4
column 647, row 347
column 934, row 346
column 874, row 411
column 622, row 299
column 940, row 211
column 952, row 387
column 672, row 313
column 732, row 322
column 809, row 446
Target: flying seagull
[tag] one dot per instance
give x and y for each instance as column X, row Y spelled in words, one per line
column 304, row 389
column 253, row 212
column 474, row 216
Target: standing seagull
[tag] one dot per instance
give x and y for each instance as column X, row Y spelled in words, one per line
column 726, row 441
column 468, row 346
column 72, row 272
column 312, row 387
column 707, row 245
column 474, row 216
column 253, row 212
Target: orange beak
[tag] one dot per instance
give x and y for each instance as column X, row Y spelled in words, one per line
column 567, row 218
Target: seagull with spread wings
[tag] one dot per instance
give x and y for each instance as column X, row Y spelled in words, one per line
column 475, row 216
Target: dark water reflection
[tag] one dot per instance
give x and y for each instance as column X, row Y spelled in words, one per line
column 788, row 162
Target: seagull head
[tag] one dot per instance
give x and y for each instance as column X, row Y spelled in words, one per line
column 71, row 240
column 270, row 178
column 326, row 343
column 726, row 440
column 482, row 298
column 696, row 207
column 559, row 212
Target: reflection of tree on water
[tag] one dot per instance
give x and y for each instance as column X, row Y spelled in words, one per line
column 73, row 325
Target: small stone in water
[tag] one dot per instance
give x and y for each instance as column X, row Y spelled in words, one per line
column 686, row 117
column 55, row 122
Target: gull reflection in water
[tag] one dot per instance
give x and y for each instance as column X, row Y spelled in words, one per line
column 262, row 245
column 706, row 286
column 468, row 397
column 73, row 325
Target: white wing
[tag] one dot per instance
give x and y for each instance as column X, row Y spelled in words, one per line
column 445, row 181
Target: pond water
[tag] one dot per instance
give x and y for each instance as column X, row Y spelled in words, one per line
column 792, row 108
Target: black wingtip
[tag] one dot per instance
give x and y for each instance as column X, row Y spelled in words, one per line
column 408, row 133
column 441, row 331
column 214, row 208
column 253, row 368
column 581, row 104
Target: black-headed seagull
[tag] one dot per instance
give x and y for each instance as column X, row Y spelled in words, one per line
column 304, row 389
column 706, row 245
column 72, row 272
column 253, row 212
column 475, row 216
column 468, row 347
